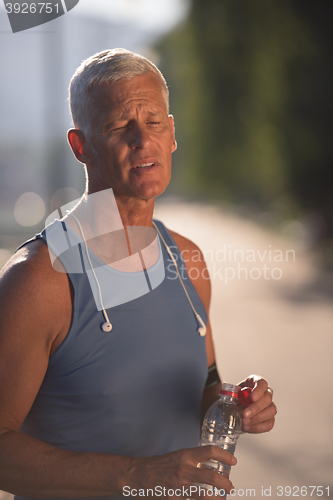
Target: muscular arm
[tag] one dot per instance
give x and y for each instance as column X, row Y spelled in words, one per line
column 259, row 416
column 36, row 313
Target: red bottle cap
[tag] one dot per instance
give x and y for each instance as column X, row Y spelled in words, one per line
column 244, row 396
column 229, row 393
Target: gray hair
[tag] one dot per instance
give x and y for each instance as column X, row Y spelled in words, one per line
column 103, row 68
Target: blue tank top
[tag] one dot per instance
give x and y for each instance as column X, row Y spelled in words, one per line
column 136, row 390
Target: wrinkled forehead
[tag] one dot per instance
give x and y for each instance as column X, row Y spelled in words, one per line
column 115, row 97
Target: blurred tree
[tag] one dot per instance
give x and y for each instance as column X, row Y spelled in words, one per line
column 250, row 86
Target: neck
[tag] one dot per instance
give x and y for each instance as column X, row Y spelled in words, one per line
column 102, row 219
column 136, row 212
column 133, row 211
column 102, row 212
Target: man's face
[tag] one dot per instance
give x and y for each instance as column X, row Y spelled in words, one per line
column 132, row 139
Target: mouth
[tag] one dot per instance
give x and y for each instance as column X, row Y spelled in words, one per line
column 146, row 165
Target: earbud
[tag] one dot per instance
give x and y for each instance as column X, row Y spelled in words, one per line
column 106, row 327
column 202, row 330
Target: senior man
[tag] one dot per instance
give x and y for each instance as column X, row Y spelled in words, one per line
column 100, row 393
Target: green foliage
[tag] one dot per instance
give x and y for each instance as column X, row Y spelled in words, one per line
column 245, row 76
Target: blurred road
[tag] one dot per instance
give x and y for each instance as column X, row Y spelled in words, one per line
column 271, row 314
column 279, row 328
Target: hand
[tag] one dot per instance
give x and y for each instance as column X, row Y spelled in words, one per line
column 179, row 471
column 259, row 416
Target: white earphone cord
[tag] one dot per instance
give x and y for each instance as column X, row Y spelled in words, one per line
column 108, row 326
column 203, row 326
column 93, row 271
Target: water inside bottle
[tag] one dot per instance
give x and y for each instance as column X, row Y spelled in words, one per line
column 227, row 443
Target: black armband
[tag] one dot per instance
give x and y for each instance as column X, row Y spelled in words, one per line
column 213, row 376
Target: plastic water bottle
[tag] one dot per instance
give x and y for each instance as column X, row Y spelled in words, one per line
column 221, row 427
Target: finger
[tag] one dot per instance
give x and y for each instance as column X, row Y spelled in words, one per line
column 250, row 381
column 209, row 475
column 258, row 385
column 264, row 402
column 211, row 452
column 259, row 389
column 214, row 479
column 267, row 414
column 269, row 391
column 265, row 426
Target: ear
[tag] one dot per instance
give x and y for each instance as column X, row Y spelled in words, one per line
column 174, row 142
column 78, row 143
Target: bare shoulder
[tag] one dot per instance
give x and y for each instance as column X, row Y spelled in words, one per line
column 187, row 246
column 35, row 252
column 35, row 314
column 30, row 269
column 199, row 275
column 195, row 265
column 34, row 293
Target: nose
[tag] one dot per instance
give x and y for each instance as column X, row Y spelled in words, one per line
column 139, row 136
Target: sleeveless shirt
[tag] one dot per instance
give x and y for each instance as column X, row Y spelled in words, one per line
column 136, row 390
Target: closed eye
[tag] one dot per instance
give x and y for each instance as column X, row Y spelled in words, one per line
column 123, row 127
column 117, row 129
